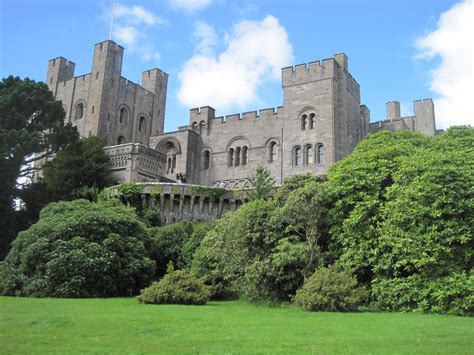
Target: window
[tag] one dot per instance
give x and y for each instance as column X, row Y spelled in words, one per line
column 244, row 155
column 303, row 122
column 308, row 155
column 321, row 154
column 272, row 152
column 237, row 156
column 230, row 157
column 206, row 159
column 121, row 140
column 194, row 126
column 311, row 121
column 297, row 156
column 123, row 116
column 201, row 125
column 142, row 124
column 79, row 113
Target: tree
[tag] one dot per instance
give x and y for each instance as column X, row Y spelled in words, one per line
column 79, row 249
column 31, row 128
column 79, row 165
column 262, row 184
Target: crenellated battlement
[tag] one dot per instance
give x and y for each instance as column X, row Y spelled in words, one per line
column 266, row 113
column 307, row 72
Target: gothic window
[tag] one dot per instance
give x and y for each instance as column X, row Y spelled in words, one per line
column 230, row 157
column 123, row 116
column 142, row 124
column 272, row 152
column 237, row 156
column 194, row 126
column 297, row 156
column 244, row 155
column 303, row 122
column 311, row 121
column 121, row 140
column 206, row 159
column 308, row 155
column 79, row 113
column 321, row 154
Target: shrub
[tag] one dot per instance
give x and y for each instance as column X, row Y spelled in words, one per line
column 79, row 249
column 453, row 294
column 176, row 287
column 330, row 290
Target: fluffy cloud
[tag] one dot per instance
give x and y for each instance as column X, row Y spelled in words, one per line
column 189, row 5
column 130, row 29
column 255, row 51
column 451, row 79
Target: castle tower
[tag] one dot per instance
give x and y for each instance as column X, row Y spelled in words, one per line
column 425, row 117
column 156, row 81
column 59, row 69
column 104, row 87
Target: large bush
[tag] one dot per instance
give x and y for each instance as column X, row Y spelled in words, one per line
column 79, row 249
column 176, row 287
column 330, row 290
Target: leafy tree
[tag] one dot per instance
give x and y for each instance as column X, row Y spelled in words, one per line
column 82, row 164
column 31, row 128
column 295, row 182
column 262, row 184
column 79, row 249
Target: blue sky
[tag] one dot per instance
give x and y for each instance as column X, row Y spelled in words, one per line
column 227, row 54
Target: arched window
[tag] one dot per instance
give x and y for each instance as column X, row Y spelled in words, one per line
column 194, row 126
column 142, row 124
column 79, row 113
column 123, row 116
column 308, row 155
column 321, row 154
column 272, row 152
column 230, row 157
column 303, row 122
column 297, row 156
column 206, row 159
column 245, row 151
column 237, row 156
column 121, row 140
column 311, row 121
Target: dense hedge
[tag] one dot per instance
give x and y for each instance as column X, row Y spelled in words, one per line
column 79, row 249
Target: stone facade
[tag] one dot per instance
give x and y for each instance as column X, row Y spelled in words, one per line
column 320, row 122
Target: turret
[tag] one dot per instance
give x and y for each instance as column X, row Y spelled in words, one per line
column 156, row 81
column 59, row 69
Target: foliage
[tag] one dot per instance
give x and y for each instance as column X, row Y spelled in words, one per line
column 77, row 167
column 168, row 242
column 131, row 194
column 404, row 217
column 236, row 241
column 293, row 183
column 31, row 128
column 262, row 184
column 79, row 249
column 452, row 294
column 177, row 287
column 330, row 290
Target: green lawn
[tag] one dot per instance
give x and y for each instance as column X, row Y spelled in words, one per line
column 30, row 325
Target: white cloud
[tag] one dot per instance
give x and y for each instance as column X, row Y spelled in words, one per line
column 189, row 5
column 451, row 79
column 256, row 51
column 130, row 28
column 137, row 15
column 207, row 38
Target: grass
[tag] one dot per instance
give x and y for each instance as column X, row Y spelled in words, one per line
column 30, row 325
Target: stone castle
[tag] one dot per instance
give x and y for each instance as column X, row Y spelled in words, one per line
column 320, row 122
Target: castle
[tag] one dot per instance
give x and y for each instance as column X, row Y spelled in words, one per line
column 320, row 122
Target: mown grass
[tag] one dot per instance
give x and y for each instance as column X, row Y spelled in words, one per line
column 30, row 325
